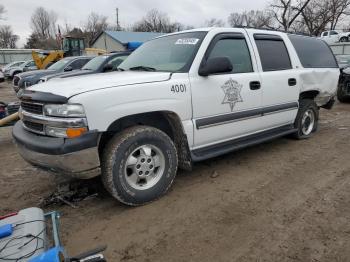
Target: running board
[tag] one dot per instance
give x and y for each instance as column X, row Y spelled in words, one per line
column 237, row 144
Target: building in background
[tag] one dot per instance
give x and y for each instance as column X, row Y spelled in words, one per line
column 11, row 55
column 122, row 40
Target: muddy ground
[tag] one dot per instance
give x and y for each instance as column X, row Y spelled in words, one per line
column 285, row 200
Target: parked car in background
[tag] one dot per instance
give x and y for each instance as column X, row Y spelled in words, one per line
column 335, row 36
column 343, row 93
column 99, row 64
column 2, row 77
column 12, row 64
column 343, row 61
column 67, row 64
column 24, row 67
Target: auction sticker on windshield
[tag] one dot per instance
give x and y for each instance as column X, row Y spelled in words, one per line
column 187, row 41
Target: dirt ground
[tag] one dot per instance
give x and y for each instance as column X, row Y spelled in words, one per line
column 284, row 200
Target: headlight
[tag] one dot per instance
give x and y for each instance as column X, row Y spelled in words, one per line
column 70, row 132
column 65, row 110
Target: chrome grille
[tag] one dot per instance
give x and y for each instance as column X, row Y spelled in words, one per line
column 34, row 126
column 32, row 108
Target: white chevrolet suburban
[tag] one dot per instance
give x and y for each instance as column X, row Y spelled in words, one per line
column 178, row 99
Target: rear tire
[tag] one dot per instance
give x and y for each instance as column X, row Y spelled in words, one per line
column 139, row 165
column 307, row 119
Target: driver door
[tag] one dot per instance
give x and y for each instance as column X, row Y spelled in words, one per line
column 226, row 105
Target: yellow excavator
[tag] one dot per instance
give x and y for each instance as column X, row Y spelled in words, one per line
column 71, row 46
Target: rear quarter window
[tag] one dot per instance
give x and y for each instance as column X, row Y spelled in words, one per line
column 313, row 53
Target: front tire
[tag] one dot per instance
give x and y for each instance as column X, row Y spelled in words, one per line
column 139, row 165
column 344, row 39
column 306, row 121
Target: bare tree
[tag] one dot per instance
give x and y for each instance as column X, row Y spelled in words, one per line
column 7, row 38
column 156, row 21
column 2, row 12
column 214, row 22
column 94, row 25
column 320, row 15
column 252, row 18
column 286, row 12
column 338, row 8
column 43, row 23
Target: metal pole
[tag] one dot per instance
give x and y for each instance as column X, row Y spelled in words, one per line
column 117, row 13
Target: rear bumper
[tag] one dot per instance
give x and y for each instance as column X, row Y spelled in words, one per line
column 74, row 157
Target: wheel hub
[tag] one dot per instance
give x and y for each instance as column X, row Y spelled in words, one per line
column 308, row 122
column 144, row 167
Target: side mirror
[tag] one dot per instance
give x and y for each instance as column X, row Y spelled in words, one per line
column 215, row 65
column 108, row 67
column 68, row 68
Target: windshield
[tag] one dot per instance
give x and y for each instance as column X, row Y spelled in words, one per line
column 59, row 65
column 173, row 53
column 95, row 63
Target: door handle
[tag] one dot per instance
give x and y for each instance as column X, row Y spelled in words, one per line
column 292, row 82
column 255, row 85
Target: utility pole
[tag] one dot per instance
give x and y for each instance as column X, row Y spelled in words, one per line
column 117, row 13
column 289, row 11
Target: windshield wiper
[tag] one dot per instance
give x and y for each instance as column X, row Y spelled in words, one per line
column 142, row 68
column 120, row 69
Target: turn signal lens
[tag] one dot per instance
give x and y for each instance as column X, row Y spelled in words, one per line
column 75, row 132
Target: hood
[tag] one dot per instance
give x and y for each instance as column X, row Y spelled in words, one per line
column 68, row 87
column 36, row 73
column 70, row 74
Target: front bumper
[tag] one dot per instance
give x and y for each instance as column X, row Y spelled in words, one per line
column 76, row 157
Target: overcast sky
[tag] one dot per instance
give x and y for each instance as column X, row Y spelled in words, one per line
column 189, row 12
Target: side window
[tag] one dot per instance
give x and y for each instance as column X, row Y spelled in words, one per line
column 325, row 34
column 309, row 50
column 273, row 53
column 334, row 32
column 237, row 51
column 115, row 62
column 79, row 63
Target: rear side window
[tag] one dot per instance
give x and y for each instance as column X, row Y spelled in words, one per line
column 313, row 53
column 273, row 53
column 79, row 63
column 325, row 34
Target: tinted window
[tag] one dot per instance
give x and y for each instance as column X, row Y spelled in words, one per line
column 273, row 54
column 334, row 33
column 116, row 61
column 313, row 53
column 325, row 33
column 77, row 64
column 237, row 51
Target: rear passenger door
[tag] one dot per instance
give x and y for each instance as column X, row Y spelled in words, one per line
column 279, row 80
